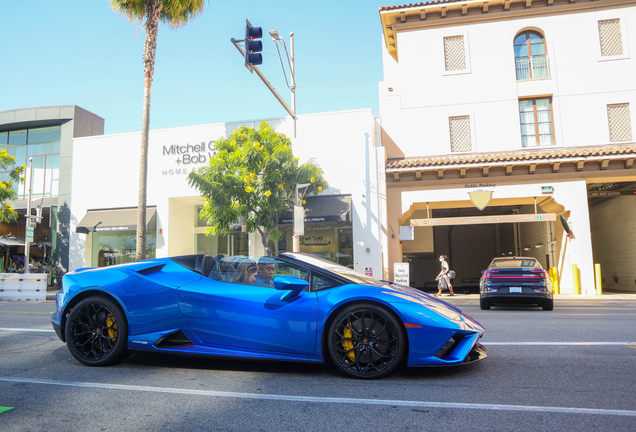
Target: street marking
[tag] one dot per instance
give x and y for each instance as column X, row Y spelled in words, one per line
column 486, row 344
column 29, row 313
column 5, row 409
column 333, row 400
column 26, row 330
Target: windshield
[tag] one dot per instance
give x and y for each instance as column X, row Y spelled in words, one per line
column 345, row 272
column 524, row 262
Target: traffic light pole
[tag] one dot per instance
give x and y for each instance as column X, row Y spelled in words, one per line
column 271, row 88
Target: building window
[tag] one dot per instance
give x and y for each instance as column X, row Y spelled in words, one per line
column 460, row 134
column 454, row 53
column 620, row 123
column 530, row 56
column 609, row 32
column 43, row 144
column 536, row 122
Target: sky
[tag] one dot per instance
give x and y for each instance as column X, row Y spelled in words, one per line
column 81, row 52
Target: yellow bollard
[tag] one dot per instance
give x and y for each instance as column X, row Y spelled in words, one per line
column 554, row 275
column 575, row 279
column 599, row 279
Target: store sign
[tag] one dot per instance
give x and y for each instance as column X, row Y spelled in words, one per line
column 314, row 241
column 470, row 220
column 188, row 155
column 480, row 198
column 401, row 273
column 29, row 235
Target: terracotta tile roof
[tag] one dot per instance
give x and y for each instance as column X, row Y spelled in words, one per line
column 514, row 157
column 413, row 5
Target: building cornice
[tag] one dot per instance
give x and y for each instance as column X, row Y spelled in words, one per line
column 453, row 12
column 575, row 160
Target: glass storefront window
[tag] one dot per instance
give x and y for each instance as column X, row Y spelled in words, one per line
column 332, row 241
column 119, row 247
column 235, row 244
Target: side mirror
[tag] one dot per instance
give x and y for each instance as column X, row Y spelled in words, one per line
column 290, row 283
column 483, row 271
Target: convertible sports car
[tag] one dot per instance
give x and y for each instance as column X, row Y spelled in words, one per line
column 293, row 307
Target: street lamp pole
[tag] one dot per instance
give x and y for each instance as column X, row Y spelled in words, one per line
column 27, row 242
column 292, row 68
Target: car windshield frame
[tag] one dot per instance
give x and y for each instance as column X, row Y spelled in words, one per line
column 336, row 269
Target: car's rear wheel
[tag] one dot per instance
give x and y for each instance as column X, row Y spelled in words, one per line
column 484, row 304
column 366, row 341
column 97, row 332
column 548, row 305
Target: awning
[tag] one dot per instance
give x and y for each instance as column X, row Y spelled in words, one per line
column 11, row 240
column 115, row 220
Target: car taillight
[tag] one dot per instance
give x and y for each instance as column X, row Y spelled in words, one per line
column 541, row 290
column 543, row 273
column 490, row 275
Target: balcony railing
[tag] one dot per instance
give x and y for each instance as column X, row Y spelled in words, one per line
column 533, row 67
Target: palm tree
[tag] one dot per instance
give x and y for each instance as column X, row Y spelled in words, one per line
column 176, row 13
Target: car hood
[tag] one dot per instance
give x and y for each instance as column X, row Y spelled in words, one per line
column 408, row 294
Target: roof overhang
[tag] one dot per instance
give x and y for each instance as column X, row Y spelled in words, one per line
column 540, row 161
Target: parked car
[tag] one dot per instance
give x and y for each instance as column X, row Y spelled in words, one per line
column 302, row 308
column 515, row 280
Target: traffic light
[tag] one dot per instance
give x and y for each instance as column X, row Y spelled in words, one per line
column 253, row 47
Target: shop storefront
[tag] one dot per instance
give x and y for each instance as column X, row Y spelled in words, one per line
column 113, row 235
column 343, row 224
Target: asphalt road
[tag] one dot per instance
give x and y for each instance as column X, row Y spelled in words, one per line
column 569, row 369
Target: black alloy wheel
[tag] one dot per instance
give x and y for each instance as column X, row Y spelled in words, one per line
column 366, row 341
column 97, row 332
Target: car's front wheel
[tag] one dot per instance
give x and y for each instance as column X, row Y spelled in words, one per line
column 97, row 332
column 366, row 341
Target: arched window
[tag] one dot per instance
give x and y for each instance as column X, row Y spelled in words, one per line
column 531, row 56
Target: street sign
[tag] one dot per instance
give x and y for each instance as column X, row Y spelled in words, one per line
column 401, row 273
column 29, row 235
column 480, row 220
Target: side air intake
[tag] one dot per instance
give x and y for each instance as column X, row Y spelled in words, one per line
column 176, row 339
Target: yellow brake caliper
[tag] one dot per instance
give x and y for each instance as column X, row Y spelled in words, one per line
column 112, row 334
column 347, row 344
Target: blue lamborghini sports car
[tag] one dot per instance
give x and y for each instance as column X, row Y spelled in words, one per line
column 293, row 307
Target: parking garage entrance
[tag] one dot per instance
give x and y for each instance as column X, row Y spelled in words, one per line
column 472, row 238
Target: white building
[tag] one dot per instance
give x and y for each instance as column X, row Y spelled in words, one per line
column 346, row 219
column 530, row 101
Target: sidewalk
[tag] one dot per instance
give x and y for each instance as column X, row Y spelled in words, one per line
column 607, row 299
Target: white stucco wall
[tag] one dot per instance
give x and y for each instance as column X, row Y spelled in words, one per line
column 415, row 113
column 105, row 175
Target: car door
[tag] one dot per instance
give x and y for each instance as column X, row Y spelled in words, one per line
column 250, row 317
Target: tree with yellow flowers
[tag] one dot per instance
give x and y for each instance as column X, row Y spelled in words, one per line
column 8, row 186
column 253, row 175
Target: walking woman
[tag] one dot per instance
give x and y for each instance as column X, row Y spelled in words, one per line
column 443, row 274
